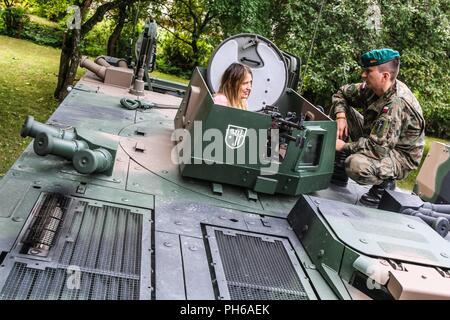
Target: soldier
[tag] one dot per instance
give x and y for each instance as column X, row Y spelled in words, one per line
column 387, row 139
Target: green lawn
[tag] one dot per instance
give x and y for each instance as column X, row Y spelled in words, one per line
column 42, row 21
column 27, row 79
column 169, row 77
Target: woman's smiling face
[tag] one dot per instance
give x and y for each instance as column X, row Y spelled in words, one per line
column 246, row 86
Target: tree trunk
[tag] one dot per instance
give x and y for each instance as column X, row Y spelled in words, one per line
column 70, row 53
column 68, row 64
column 115, row 36
column 70, row 56
column 195, row 50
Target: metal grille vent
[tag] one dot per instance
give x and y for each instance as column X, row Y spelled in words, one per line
column 105, row 239
column 98, row 256
column 47, row 220
column 258, row 270
column 59, row 284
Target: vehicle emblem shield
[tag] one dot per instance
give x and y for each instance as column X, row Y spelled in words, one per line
column 235, row 136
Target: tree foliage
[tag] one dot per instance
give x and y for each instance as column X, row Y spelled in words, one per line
column 70, row 53
column 54, row 10
column 327, row 35
column 189, row 22
column 12, row 17
column 421, row 31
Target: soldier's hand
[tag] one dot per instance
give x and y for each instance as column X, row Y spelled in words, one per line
column 339, row 144
column 342, row 127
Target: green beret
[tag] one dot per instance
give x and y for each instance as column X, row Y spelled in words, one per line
column 377, row 57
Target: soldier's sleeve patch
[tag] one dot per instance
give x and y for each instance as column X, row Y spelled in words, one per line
column 381, row 126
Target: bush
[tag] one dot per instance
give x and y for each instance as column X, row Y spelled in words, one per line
column 95, row 42
column 43, row 34
column 54, row 10
column 175, row 56
column 418, row 29
column 13, row 19
column 128, row 39
column 437, row 118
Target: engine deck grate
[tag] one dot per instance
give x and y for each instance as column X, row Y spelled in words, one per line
column 48, row 217
column 97, row 256
column 64, row 284
column 256, row 269
column 106, row 238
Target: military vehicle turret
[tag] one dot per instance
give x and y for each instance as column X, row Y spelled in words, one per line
column 127, row 193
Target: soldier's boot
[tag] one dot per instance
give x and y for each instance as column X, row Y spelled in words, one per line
column 339, row 176
column 373, row 196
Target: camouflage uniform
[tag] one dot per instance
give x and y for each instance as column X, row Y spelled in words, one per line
column 388, row 139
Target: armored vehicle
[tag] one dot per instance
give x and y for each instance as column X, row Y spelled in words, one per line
column 142, row 189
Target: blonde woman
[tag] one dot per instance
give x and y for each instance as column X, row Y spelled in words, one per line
column 235, row 86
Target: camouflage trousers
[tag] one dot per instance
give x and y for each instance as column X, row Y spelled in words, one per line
column 367, row 170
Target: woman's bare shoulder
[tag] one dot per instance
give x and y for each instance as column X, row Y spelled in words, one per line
column 220, row 98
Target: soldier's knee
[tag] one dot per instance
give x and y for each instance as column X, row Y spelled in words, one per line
column 360, row 169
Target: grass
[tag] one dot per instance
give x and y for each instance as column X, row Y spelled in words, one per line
column 43, row 21
column 27, row 79
column 169, row 77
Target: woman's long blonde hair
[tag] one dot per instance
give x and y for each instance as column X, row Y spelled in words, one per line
column 231, row 82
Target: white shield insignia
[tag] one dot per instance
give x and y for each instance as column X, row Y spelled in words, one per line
column 235, row 136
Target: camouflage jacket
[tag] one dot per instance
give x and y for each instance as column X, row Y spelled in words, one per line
column 393, row 121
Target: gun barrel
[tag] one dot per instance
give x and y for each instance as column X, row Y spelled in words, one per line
column 31, row 128
column 442, row 208
column 45, row 144
column 99, row 70
column 439, row 224
column 433, row 213
column 100, row 60
column 90, row 161
column 291, row 124
column 122, row 63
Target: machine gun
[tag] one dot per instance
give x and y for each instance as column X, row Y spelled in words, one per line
column 77, row 146
column 286, row 125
